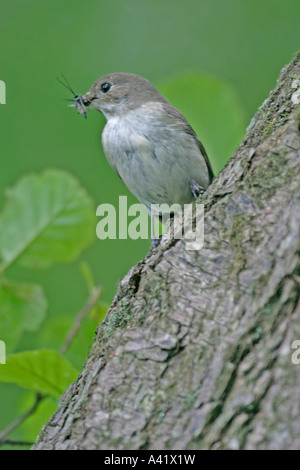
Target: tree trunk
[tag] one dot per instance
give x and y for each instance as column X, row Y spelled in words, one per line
column 196, row 349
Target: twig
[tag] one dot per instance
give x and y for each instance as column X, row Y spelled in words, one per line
column 92, row 301
column 20, row 420
column 11, row 442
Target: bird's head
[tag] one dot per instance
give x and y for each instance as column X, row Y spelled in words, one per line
column 118, row 93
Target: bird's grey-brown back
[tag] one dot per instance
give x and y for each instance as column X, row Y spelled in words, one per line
column 147, row 141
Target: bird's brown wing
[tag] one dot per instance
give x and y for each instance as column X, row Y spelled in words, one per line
column 186, row 127
column 203, row 152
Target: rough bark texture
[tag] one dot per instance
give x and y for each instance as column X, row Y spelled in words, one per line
column 195, row 352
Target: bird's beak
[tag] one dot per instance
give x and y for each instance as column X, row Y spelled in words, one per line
column 88, row 98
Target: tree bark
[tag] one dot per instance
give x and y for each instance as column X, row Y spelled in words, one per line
column 196, row 349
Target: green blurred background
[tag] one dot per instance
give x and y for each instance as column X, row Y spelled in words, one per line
column 216, row 61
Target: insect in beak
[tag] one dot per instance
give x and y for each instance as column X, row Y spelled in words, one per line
column 79, row 102
column 79, row 105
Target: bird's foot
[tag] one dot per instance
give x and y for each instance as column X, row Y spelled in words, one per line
column 155, row 241
column 196, row 189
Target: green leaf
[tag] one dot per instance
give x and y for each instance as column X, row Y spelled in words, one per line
column 213, row 110
column 53, row 334
column 44, row 371
column 22, row 307
column 48, row 218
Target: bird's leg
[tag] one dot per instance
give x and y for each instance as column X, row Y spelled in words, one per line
column 196, row 189
column 154, row 239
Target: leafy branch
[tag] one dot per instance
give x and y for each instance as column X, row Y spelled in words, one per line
column 39, row 397
column 47, row 218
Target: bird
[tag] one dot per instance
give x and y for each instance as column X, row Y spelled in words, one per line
column 148, row 142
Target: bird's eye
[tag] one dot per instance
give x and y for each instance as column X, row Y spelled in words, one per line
column 105, row 87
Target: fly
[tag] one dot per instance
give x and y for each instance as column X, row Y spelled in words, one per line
column 77, row 101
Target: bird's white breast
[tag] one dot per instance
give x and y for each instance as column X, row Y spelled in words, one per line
column 155, row 160
column 120, row 137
